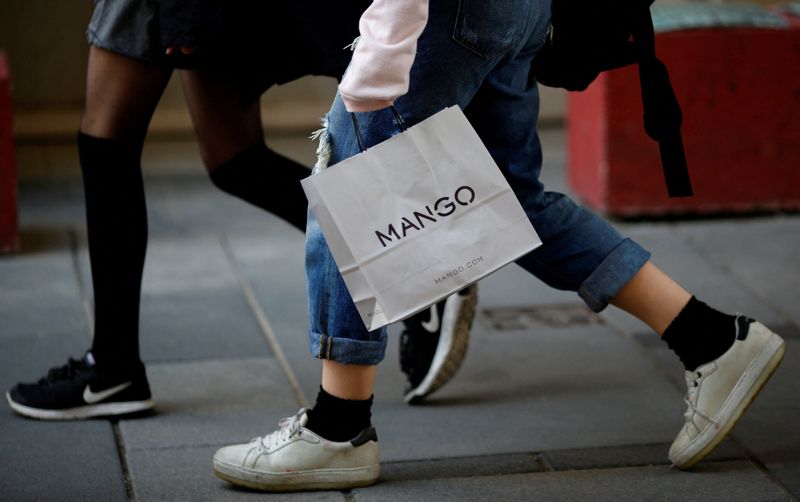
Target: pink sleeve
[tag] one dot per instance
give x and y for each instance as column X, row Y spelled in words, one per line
column 379, row 71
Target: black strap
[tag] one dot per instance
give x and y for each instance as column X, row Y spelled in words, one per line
column 358, row 133
column 662, row 112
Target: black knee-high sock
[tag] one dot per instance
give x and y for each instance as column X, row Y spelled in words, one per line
column 265, row 179
column 700, row 334
column 116, row 223
column 338, row 419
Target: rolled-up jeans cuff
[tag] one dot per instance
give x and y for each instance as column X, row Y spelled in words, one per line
column 347, row 350
column 614, row 272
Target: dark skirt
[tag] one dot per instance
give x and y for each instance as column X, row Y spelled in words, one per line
column 127, row 27
column 255, row 44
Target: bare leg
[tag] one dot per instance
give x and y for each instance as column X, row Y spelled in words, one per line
column 652, row 296
column 348, row 381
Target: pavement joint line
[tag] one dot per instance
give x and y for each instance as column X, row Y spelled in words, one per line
column 207, row 359
column 761, row 467
column 123, row 461
column 119, row 440
column 542, row 467
column 743, row 283
column 179, row 447
column 83, row 291
column 542, row 460
column 263, row 322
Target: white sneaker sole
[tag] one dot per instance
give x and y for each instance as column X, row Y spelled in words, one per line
column 319, row 479
column 82, row 412
column 452, row 347
column 741, row 397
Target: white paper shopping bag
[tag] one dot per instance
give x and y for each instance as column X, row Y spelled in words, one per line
column 418, row 217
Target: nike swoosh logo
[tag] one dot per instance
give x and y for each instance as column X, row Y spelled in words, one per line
column 432, row 326
column 95, row 397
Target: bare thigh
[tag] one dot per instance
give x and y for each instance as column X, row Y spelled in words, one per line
column 224, row 127
column 121, row 95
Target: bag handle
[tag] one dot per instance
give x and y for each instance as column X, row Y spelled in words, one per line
column 400, row 123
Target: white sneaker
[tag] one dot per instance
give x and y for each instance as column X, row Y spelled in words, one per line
column 294, row 458
column 720, row 391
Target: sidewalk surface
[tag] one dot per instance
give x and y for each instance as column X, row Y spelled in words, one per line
column 552, row 403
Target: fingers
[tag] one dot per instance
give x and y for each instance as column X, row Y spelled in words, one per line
column 184, row 50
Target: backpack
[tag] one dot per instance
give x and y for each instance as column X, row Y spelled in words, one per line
column 588, row 37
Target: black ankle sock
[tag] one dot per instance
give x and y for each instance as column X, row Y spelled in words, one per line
column 700, row 334
column 338, row 419
column 267, row 180
column 116, row 223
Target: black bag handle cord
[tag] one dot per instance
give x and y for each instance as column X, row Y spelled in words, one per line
column 400, row 123
column 662, row 112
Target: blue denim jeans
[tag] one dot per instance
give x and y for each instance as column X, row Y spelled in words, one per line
column 477, row 55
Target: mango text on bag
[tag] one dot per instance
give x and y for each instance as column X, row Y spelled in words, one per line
column 443, row 207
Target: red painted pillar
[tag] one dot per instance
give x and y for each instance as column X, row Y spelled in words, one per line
column 9, row 220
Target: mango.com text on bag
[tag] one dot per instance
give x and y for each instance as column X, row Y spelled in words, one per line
column 460, row 269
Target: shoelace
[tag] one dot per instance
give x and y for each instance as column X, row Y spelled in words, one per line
column 65, row 372
column 287, row 429
column 693, row 384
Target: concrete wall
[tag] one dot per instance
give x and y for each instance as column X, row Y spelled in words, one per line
column 46, row 48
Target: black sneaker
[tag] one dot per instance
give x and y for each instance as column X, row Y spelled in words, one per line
column 434, row 343
column 77, row 390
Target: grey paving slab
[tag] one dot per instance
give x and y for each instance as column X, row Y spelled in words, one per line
column 696, row 271
column 787, row 473
column 192, row 306
column 273, row 265
column 51, row 204
column 536, row 390
column 52, row 460
column 628, row 456
column 182, row 263
column 39, row 293
column 211, row 403
column 728, row 481
column 178, row 263
column 485, row 465
column 514, row 286
column 203, row 324
column 761, row 252
column 178, row 474
column 58, row 460
column 193, row 204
